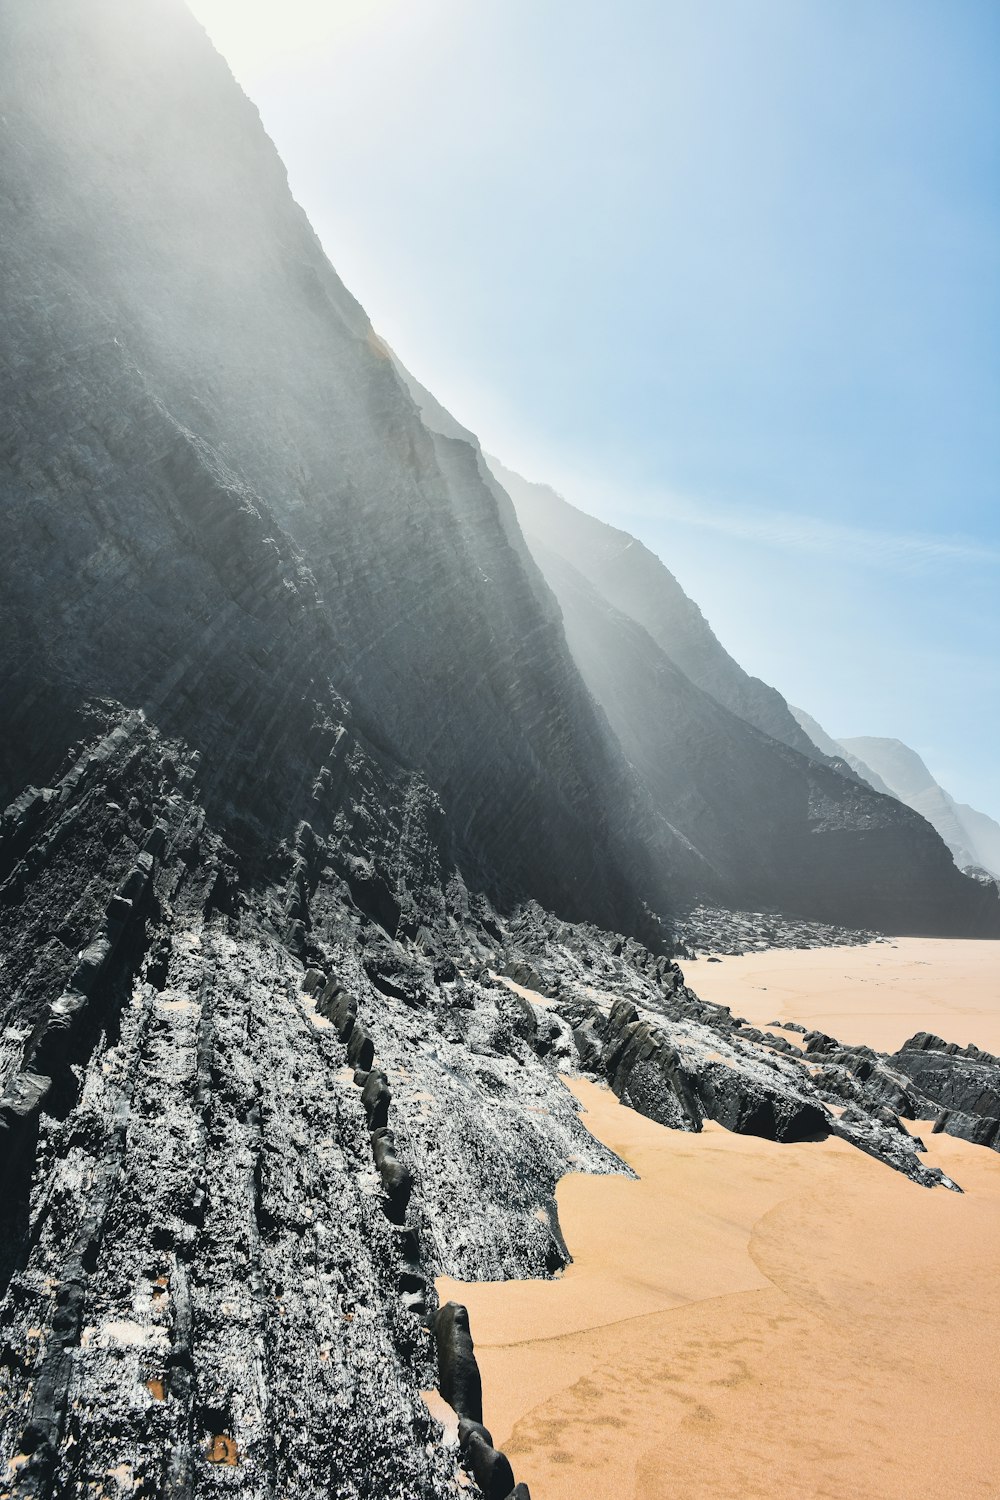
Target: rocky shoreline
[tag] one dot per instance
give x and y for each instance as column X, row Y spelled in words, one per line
column 247, row 1122
column 705, row 930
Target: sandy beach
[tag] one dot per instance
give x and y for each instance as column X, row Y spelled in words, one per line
column 880, row 994
column 748, row 1321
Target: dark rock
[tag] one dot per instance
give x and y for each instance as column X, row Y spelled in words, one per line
column 397, row 1179
column 343, row 1013
column 327, row 997
column 467, row 1427
column 739, row 1105
column 376, row 1098
column 963, row 1083
column 360, row 1049
column 490, row 1468
column 458, row 1372
column 980, row 1130
column 528, row 977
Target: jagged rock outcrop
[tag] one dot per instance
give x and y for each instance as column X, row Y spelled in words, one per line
column 218, row 1230
column 964, row 1082
column 193, row 1270
column 679, row 1060
column 958, row 1088
column 714, row 930
column 245, row 1123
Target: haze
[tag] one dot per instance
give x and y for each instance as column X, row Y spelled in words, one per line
column 725, row 275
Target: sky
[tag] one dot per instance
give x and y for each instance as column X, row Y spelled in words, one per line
column 724, row 272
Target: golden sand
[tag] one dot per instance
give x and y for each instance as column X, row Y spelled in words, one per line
column 880, row 994
column 750, row 1321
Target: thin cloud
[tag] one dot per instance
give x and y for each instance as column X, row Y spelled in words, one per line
column 909, row 552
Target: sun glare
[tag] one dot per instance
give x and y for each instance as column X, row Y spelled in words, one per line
column 254, row 34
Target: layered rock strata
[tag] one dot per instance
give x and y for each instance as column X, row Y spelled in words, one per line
column 246, row 1121
column 218, row 500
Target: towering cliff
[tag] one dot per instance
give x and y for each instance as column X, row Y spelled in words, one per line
column 972, row 836
column 777, row 822
column 831, row 748
column 635, row 581
column 212, row 459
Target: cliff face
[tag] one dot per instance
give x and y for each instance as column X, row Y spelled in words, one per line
column 213, row 461
column 774, row 827
column 984, row 834
column 635, row 581
column 972, row 837
column 831, row 748
column 224, row 504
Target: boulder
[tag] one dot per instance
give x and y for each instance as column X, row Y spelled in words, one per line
column 459, row 1380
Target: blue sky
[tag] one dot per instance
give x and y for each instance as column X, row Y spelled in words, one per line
column 725, row 272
